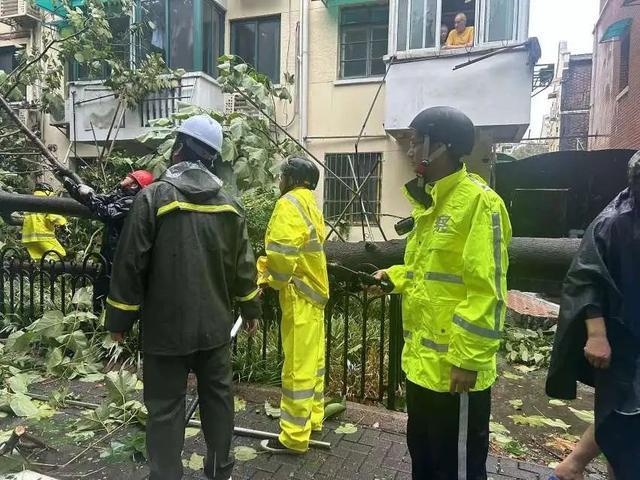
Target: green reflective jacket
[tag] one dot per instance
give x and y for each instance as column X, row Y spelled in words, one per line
column 453, row 280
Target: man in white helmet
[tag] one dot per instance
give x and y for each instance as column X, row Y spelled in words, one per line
column 184, row 257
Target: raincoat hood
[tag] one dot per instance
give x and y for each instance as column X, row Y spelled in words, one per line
column 193, row 180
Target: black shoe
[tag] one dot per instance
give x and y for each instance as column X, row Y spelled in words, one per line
column 274, row 446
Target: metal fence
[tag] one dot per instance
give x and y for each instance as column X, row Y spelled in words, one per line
column 363, row 333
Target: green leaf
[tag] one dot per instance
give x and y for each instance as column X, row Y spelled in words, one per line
column 244, row 454
column 23, row 406
column 517, row 404
column 121, row 386
column 53, row 359
column 525, row 369
column 239, row 405
column 19, row 383
column 512, row 376
column 332, row 410
column 584, row 415
column 79, row 57
column 346, row 428
column 196, row 462
column 50, row 325
column 495, row 427
column 557, row 403
column 19, row 341
column 191, row 432
column 538, row 421
column 271, row 411
column 82, row 298
column 229, row 152
column 92, row 378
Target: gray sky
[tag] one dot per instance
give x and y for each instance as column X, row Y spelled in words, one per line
column 552, row 21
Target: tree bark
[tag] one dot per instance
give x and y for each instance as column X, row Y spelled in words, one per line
column 535, row 264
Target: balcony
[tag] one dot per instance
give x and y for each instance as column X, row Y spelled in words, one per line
column 495, row 92
column 91, row 107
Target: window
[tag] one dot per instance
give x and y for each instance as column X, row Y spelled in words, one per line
column 500, row 20
column 337, row 196
column 213, row 36
column 420, row 22
column 364, row 33
column 120, row 45
column 625, row 48
column 257, row 42
column 8, row 59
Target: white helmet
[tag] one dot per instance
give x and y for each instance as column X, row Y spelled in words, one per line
column 204, row 129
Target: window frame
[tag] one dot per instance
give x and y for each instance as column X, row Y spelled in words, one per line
column 369, row 27
column 333, row 207
column 520, row 26
column 623, row 74
column 256, row 21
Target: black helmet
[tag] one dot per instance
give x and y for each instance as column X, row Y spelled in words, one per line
column 44, row 187
column 446, row 125
column 302, row 172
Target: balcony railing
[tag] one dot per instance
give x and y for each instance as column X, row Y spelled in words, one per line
column 92, row 108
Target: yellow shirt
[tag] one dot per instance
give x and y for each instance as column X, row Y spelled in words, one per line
column 456, row 39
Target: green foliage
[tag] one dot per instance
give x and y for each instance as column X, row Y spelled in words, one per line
column 527, row 347
column 252, row 147
column 259, row 204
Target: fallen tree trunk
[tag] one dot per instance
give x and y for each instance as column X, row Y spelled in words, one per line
column 535, row 264
column 16, row 202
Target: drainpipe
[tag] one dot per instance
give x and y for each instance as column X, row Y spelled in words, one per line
column 304, row 70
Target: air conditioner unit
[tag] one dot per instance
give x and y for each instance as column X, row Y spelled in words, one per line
column 18, row 12
column 30, row 117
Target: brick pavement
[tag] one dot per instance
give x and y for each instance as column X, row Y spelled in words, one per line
column 369, row 454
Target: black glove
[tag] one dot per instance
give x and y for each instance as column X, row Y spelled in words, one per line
column 69, row 184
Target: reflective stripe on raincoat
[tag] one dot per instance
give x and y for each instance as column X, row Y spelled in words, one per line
column 453, row 280
column 294, row 245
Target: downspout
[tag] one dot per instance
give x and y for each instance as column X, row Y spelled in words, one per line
column 304, row 70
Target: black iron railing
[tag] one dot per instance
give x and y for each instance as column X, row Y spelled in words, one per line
column 363, row 334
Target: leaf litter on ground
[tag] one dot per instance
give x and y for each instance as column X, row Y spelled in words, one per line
column 270, row 410
column 244, row 454
column 346, row 429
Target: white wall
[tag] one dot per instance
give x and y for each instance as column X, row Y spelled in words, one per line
column 493, row 92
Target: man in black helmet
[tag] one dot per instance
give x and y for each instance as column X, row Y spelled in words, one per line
column 453, row 282
column 183, row 258
column 296, row 266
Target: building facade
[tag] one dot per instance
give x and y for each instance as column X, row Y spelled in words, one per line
column 615, row 86
column 567, row 124
column 360, row 68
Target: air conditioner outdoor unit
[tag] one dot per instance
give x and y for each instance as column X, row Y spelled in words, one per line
column 18, row 11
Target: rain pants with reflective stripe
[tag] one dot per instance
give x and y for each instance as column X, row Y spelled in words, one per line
column 453, row 280
column 39, row 233
column 296, row 266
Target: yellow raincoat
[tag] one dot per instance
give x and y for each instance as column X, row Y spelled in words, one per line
column 453, row 281
column 296, row 266
column 39, row 233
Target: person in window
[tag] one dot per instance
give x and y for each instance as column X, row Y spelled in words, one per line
column 444, row 34
column 461, row 36
column 598, row 337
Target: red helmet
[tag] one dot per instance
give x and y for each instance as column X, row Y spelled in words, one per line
column 143, row 178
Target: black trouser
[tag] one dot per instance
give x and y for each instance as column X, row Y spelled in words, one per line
column 165, row 386
column 443, row 429
column 619, row 439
